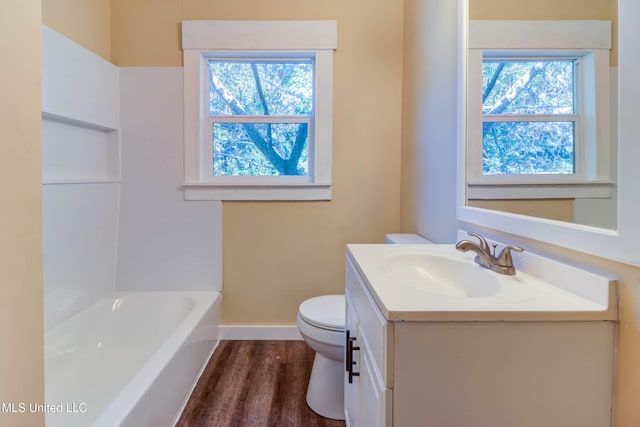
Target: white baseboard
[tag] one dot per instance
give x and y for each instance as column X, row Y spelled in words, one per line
column 257, row 332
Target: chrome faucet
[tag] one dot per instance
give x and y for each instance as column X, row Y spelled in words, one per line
column 486, row 256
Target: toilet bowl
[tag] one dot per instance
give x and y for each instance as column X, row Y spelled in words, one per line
column 321, row 322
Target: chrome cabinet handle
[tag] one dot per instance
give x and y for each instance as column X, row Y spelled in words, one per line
column 349, row 362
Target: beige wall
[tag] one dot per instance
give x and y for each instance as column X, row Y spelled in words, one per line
column 87, row 22
column 558, row 209
column 21, row 351
column 276, row 254
column 550, row 9
column 539, row 9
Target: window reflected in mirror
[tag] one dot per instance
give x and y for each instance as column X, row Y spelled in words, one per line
column 540, row 139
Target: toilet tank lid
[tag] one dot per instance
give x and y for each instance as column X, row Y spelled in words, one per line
column 411, row 239
column 326, row 311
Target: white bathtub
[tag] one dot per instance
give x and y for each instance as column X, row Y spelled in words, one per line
column 130, row 359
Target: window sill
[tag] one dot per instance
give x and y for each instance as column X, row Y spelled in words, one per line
column 582, row 190
column 302, row 192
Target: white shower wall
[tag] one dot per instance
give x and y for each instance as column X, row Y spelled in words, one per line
column 114, row 217
column 81, row 188
column 79, row 246
column 164, row 243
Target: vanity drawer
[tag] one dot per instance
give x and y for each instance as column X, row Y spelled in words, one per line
column 376, row 333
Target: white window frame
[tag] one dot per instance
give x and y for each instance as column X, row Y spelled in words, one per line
column 204, row 40
column 589, row 42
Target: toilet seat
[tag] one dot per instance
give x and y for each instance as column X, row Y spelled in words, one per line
column 325, row 312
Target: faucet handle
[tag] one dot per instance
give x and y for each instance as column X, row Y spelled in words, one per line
column 483, row 242
column 505, row 259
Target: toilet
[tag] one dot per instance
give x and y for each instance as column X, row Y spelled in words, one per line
column 321, row 322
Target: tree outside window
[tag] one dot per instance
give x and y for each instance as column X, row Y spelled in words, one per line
column 260, row 113
column 529, row 116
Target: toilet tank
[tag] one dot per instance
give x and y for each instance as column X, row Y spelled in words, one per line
column 411, row 239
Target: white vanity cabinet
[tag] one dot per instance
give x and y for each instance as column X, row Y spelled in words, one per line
column 449, row 373
column 368, row 389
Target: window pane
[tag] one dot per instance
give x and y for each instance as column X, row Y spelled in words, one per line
column 528, row 148
column 258, row 149
column 245, row 87
column 528, row 87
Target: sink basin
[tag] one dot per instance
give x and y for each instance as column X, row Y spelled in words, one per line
column 438, row 283
column 441, row 275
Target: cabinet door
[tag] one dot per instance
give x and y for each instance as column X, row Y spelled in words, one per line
column 375, row 399
column 351, row 389
column 372, row 325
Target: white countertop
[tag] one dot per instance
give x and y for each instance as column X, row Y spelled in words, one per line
column 558, row 292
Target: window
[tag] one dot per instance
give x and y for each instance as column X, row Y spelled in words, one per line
column 542, row 91
column 258, row 109
column 260, row 112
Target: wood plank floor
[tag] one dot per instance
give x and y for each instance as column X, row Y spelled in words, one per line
column 254, row 383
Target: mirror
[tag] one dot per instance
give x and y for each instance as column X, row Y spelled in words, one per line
column 542, row 168
column 614, row 235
